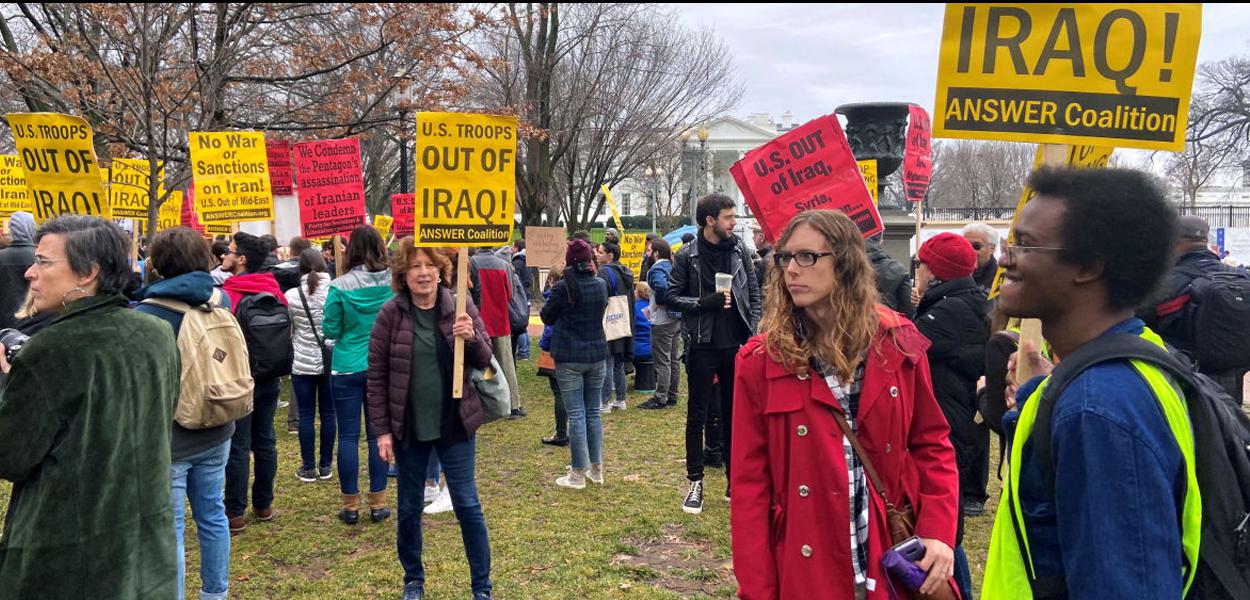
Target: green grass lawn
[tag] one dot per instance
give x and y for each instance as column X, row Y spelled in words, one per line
column 626, row 539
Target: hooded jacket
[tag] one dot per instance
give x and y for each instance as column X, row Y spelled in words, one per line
column 14, row 261
column 84, row 437
column 239, row 287
column 194, row 288
column 307, row 350
column 352, row 304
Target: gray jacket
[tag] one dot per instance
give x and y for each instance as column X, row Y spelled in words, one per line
column 307, row 353
column 685, row 288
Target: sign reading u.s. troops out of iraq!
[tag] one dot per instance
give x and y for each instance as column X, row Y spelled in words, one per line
column 465, row 179
column 1092, row 74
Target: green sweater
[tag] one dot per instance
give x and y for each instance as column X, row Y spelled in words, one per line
column 84, row 437
column 351, row 307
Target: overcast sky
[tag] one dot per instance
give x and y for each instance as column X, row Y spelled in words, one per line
column 809, row 58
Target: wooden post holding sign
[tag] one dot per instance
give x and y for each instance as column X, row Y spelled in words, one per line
column 465, row 193
column 338, row 254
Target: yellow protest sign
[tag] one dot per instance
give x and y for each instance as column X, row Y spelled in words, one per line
column 633, row 245
column 14, row 196
column 466, row 179
column 60, row 165
column 616, row 214
column 169, row 214
column 129, row 179
column 1077, row 156
column 868, row 169
column 382, row 223
column 1096, row 74
column 231, row 174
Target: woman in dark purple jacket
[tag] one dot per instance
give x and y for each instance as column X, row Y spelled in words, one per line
column 412, row 412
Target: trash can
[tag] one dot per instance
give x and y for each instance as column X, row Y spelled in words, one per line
column 644, row 376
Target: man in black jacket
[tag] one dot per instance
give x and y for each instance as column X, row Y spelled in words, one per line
column 14, row 261
column 718, row 322
column 893, row 280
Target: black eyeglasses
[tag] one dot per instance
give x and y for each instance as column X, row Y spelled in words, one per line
column 805, row 259
column 977, row 246
column 1010, row 251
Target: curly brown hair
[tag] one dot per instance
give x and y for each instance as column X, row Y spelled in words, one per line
column 845, row 336
column 402, row 261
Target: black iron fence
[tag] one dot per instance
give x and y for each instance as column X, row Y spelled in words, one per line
column 1216, row 215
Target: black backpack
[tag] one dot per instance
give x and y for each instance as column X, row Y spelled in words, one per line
column 1221, row 456
column 266, row 325
column 1215, row 321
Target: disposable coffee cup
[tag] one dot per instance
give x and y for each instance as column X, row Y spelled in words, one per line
column 724, row 282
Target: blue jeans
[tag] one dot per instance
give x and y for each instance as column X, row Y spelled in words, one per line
column 457, row 459
column 434, row 468
column 963, row 576
column 580, row 386
column 253, row 436
column 614, row 378
column 348, row 392
column 312, row 393
column 200, row 479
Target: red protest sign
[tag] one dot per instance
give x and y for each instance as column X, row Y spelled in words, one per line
column 403, row 209
column 331, row 187
column 189, row 218
column 280, row 169
column 918, row 155
column 809, row 168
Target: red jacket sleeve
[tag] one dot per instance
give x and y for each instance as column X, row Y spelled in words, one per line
column 379, row 374
column 930, row 447
column 750, row 514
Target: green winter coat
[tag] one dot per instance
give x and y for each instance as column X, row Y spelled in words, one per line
column 84, row 436
column 351, row 307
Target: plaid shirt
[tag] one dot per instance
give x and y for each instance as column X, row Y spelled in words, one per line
column 577, row 334
column 848, row 397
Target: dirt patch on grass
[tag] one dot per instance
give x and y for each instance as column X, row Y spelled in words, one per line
column 671, row 562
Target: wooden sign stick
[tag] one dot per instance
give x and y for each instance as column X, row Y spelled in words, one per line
column 462, row 295
column 338, row 256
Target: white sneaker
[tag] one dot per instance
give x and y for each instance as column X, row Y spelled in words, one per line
column 617, row 405
column 431, row 493
column 595, row 473
column 576, row 479
column 441, row 504
column 605, row 408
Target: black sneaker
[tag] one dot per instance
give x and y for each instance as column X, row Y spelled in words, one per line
column 324, row 472
column 694, row 498
column 556, row 440
column 517, row 413
column 653, row 404
column 672, row 402
column 713, row 460
column 972, row 508
column 306, row 475
column 414, row 591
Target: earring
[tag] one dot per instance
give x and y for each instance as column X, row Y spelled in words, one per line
column 438, row 280
column 78, row 289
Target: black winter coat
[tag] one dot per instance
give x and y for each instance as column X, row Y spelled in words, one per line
column 893, row 280
column 953, row 316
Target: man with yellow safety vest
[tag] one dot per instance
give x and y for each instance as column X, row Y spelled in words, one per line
column 1115, row 511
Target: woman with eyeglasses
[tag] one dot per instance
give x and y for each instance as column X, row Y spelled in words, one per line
column 834, row 368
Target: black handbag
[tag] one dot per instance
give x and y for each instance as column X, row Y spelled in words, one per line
column 327, row 353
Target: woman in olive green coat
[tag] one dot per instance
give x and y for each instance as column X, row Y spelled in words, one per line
column 85, row 418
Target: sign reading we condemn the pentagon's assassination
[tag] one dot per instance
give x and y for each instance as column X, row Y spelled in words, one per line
column 331, row 187
column 1092, row 74
column 465, row 179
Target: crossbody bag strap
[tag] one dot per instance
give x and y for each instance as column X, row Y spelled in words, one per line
column 863, row 456
column 311, row 323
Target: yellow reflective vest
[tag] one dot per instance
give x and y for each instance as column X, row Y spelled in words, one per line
column 1008, row 570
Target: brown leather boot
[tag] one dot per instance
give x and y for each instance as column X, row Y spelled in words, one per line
column 377, row 506
column 351, row 509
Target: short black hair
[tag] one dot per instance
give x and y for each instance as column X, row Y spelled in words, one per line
column 1117, row 217
column 252, row 248
column 660, row 246
column 581, row 234
column 710, row 206
column 687, row 237
column 270, row 241
column 220, row 248
column 519, row 244
column 93, row 241
column 611, row 248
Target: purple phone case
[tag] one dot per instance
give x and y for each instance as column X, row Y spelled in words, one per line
column 902, row 569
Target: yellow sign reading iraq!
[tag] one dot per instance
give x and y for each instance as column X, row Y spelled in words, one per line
column 231, row 174
column 60, row 165
column 129, row 179
column 1093, row 74
column 465, row 179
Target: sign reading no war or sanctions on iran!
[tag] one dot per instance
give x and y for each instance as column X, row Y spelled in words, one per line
column 1094, row 74
column 231, row 174
column 466, row 179
column 331, row 187
column 60, row 165
column 809, row 168
column 14, row 196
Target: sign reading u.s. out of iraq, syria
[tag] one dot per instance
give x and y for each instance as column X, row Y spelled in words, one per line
column 465, row 179
column 1093, row 74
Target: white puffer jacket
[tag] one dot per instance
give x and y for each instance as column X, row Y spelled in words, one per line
column 307, row 354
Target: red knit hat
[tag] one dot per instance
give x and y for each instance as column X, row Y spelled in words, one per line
column 948, row 256
column 578, row 252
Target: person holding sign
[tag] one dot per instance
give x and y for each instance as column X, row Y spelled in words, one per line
column 410, row 405
column 835, row 369
column 714, row 286
column 85, row 419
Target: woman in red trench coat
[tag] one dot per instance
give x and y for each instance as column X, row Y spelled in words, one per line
column 792, row 501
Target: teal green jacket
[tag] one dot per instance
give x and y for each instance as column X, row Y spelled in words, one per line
column 351, row 307
column 85, row 420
